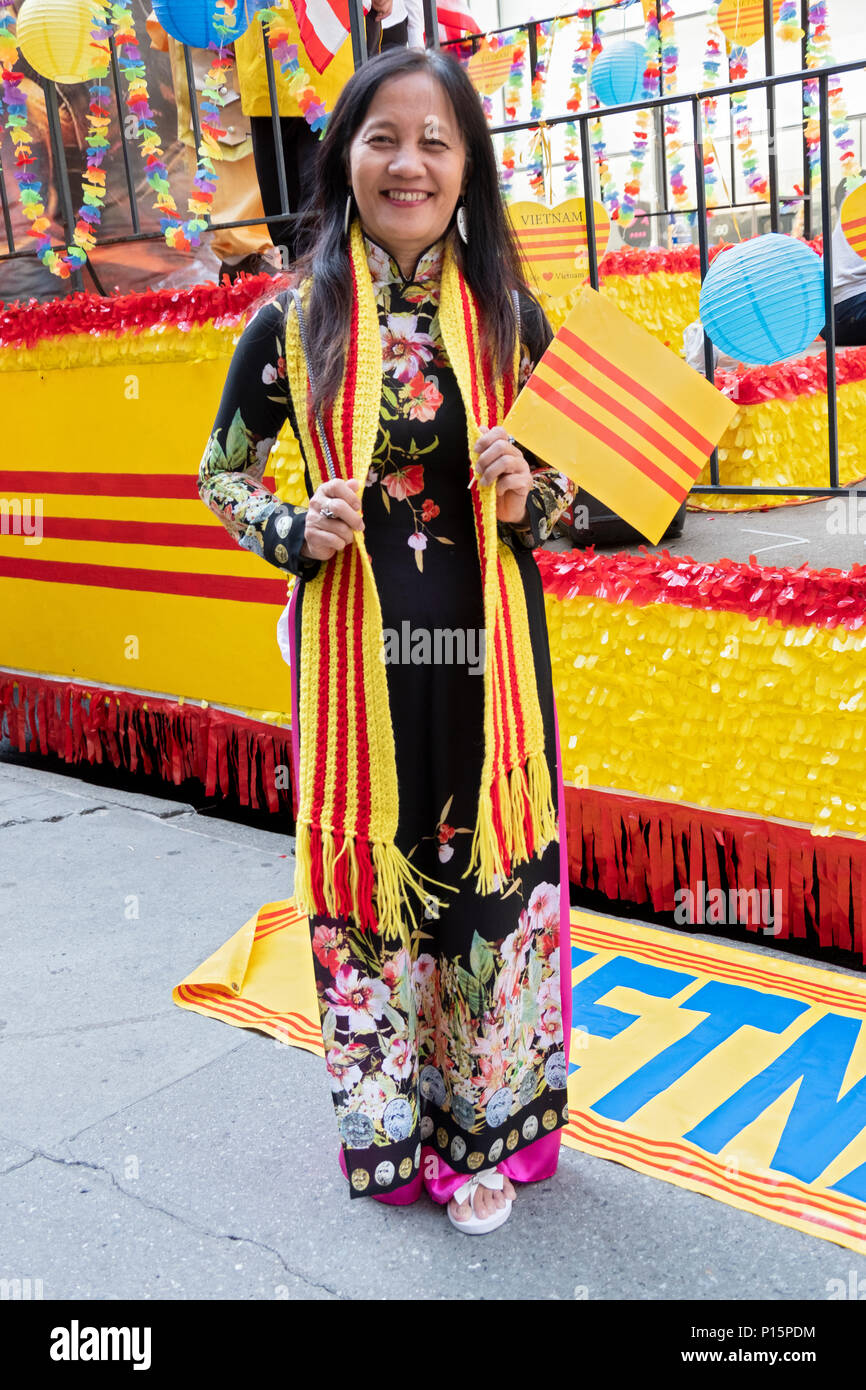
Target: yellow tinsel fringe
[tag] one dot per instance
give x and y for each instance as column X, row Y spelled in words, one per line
column 773, row 722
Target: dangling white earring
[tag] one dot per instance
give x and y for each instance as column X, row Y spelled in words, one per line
column 460, row 219
column 348, row 213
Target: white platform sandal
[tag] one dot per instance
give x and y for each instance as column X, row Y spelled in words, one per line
column 474, row 1225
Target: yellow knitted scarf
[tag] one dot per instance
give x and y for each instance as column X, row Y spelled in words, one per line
column 347, row 861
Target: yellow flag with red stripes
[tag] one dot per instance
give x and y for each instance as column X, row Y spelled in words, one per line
column 618, row 413
column 742, row 21
column 853, row 218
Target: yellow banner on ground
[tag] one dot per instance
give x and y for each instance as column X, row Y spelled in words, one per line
column 725, row 1071
column 620, row 414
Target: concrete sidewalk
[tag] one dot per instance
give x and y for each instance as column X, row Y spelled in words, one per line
column 147, row 1152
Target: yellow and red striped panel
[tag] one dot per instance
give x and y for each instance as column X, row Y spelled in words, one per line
column 853, row 219
column 554, row 242
column 489, row 68
column 742, row 21
column 126, row 549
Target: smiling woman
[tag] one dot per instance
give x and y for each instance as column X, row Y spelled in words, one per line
column 408, row 166
column 429, row 856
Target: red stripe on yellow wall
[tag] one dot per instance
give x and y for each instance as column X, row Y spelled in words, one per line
column 146, row 581
column 27, row 482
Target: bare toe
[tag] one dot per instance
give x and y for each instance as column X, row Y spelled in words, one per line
column 460, row 1210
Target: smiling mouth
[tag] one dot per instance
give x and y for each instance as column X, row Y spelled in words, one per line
column 407, row 196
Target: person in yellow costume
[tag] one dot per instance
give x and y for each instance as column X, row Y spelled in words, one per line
column 299, row 142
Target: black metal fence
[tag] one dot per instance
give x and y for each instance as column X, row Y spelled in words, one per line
column 768, row 84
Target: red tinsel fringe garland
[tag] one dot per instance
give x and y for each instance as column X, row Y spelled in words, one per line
column 23, row 326
column 174, row 741
column 785, row 381
column 683, row 261
column 642, row 851
column 825, row 598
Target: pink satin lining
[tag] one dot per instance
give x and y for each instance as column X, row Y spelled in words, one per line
column 537, row 1161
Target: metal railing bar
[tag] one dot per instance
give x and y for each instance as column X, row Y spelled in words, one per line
column 681, row 98
column 829, row 309
column 130, row 182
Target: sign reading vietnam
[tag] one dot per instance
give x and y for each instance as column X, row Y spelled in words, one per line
column 554, row 242
column 489, row 68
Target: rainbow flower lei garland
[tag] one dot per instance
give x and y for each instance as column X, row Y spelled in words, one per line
column 673, row 144
column 609, row 196
column 715, row 46
column 61, row 263
column 537, row 160
column 296, row 76
column 513, row 88
column 640, row 143
column 819, row 53
column 178, row 233
column 624, row 210
column 579, row 68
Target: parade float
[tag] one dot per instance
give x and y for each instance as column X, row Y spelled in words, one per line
column 137, row 634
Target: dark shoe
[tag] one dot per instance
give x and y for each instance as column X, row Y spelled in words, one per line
column 250, row 265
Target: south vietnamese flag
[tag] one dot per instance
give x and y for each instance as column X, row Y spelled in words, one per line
column 620, row 414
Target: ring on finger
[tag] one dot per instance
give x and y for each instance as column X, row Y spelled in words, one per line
column 326, row 511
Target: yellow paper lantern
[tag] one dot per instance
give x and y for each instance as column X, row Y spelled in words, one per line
column 55, row 37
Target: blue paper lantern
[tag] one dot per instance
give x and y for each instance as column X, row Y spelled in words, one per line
column 194, row 22
column 617, row 73
column 764, row 299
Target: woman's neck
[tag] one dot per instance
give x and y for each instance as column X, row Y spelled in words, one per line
column 405, row 260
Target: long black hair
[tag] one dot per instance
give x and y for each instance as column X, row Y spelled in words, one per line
column 490, row 261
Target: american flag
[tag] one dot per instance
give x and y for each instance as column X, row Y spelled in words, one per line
column 324, row 25
column 455, row 20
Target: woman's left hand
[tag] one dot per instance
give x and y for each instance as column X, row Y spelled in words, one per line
column 499, row 460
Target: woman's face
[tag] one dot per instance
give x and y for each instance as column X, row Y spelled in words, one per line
column 406, row 166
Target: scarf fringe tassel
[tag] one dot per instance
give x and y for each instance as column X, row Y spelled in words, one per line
column 515, row 821
column 332, row 882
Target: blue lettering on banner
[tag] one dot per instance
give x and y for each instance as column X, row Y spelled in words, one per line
column 730, row 1008
column 821, row 1122
column 605, row 1022
column 579, row 956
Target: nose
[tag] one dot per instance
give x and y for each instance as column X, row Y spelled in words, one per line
column 406, row 162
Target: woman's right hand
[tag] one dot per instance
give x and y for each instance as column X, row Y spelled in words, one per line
column 323, row 535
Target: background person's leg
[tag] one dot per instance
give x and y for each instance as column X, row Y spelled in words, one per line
column 851, row 322
column 300, row 147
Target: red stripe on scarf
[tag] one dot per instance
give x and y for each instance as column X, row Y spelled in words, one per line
column 342, row 886
column 363, row 849
column 499, row 724
column 316, row 869
column 351, row 373
column 518, row 708
column 470, row 338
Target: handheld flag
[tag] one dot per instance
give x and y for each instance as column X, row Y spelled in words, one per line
column 620, row 414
